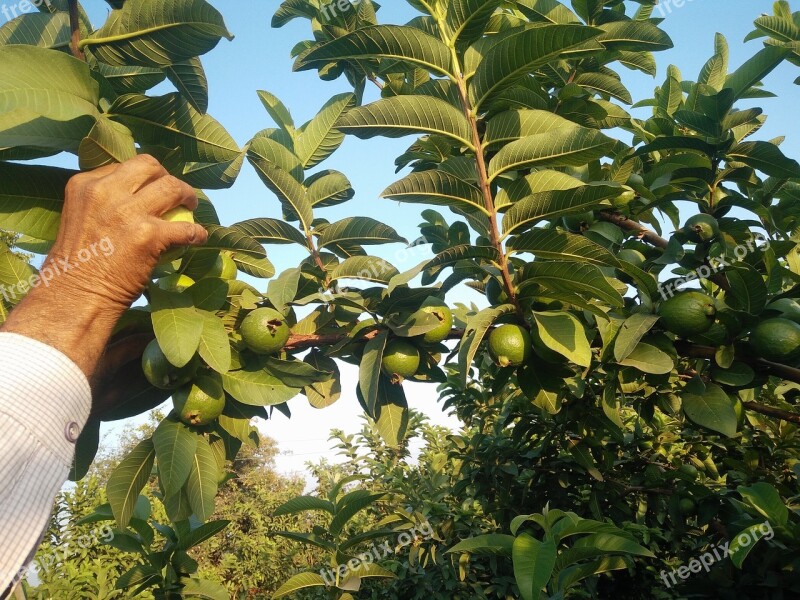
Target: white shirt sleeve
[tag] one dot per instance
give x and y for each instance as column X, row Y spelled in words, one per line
column 45, row 401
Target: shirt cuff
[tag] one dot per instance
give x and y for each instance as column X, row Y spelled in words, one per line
column 42, row 389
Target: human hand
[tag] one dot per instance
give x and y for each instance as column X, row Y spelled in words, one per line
column 109, row 241
column 117, row 210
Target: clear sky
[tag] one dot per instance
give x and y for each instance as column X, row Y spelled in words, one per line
column 258, row 58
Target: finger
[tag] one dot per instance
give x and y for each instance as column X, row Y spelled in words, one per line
column 136, row 173
column 165, row 194
column 180, row 233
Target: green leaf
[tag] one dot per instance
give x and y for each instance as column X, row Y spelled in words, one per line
column 359, row 230
column 172, row 121
column 393, row 42
column 323, row 393
column 559, row 148
column 190, row 80
column 175, row 446
column 215, row 349
column 31, row 199
column 128, row 80
column 201, row 487
column 177, row 325
column 630, row 334
column 304, row 504
column 366, row 268
column 634, row 36
column 563, row 333
column 549, row 205
column 608, row 542
column 477, row 326
column 515, row 124
column 467, row 19
column 533, row 564
column 48, row 99
column 281, row 182
column 141, row 33
column 349, row 506
column 45, row 30
column 85, row 450
column 754, row 70
column 767, row 501
column 107, row 143
column 648, row 359
column 294, row 373
column 517, row 55
column 605, row 85
column 138, row 575
column 283, row 289
column 209, row 294
column 321, row 136
column 712, row 409
column 492, row 544
column 128, row 479
column 765, row 157
column 369, row 371
column 551, row 244
column 203, row 588
column 570, row 277
column 391, row 413
column 256, row 387
column 279, row 113
column 438, row 188
column 270, row 231
column 328, row 188
column 299, row 582
column 750, row 536
column 404, row 115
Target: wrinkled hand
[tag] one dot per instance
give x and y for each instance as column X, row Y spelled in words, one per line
column 111, row 236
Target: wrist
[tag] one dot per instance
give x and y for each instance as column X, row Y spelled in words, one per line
column 61, row 314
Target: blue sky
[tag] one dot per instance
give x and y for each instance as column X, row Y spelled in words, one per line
column 258, row 58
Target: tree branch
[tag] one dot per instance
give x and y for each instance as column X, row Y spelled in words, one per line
column 642, row 232
column 74, row 25
column 652, row 238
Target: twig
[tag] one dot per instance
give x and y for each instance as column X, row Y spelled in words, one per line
column 642, row 232
column 652, row 238
column 74, row 25
column 771, row 411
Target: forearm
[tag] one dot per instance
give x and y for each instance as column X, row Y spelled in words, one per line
column 44, row 404
column 77, row 326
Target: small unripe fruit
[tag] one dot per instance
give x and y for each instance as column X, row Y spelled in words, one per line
column 440, row 332
column 177, row 214
column 400, row 360
column 175, row 283
column 510, row 345
column 265, row 331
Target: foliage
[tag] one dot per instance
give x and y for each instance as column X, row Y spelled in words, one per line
column 516, row 107
column 92, row 566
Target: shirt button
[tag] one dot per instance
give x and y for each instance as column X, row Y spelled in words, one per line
column 72, row 432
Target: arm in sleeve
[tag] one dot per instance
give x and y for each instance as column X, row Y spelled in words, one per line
column 45, row 401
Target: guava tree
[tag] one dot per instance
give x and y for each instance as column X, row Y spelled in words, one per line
column 557, row 196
